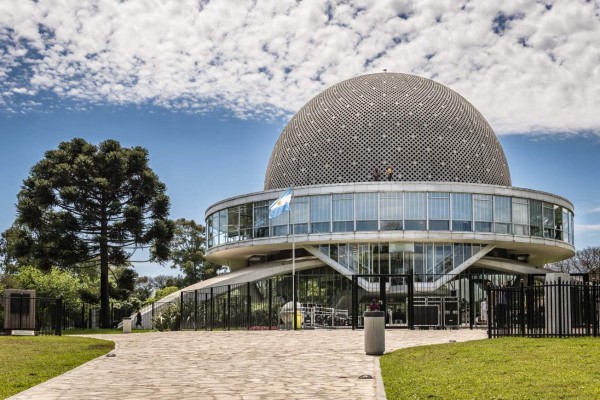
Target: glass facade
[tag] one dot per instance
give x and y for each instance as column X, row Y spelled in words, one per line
column 393, row 211
column 430, row 260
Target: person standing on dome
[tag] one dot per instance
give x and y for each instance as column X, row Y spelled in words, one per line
column 389, row 172
column 375, row 173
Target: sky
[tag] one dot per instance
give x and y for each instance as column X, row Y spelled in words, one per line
column 208, row 86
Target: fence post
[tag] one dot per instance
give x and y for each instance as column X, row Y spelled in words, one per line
column 586, row 307
column 594, row 301
column 270, row 303
column 383, row 297
column 181, row 311
column 58, row 317
column 471, row 301
column 228, row 306
column 196, row 309
column 152, row 317
column 248, row 305
column 354, row 303
column 489, row 308
column 522, row 308
column 212, row 309
column 411, row 308
column 559, row 308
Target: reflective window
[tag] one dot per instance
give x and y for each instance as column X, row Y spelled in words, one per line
column 210, row 231
column 520, row 216
column 439, row 211
column 548, row 220
column 535, row 217
column 366, row 211
column 300, row 214
column 502, row 214
column 279, row 224
column 462, row 212
column 343, row 216
column 233, row 224
column 415, row 211
column 246, row 221
column 261, row 219
column 320, row 213
column 483, row 212
column 222, row 226
column 391, row 211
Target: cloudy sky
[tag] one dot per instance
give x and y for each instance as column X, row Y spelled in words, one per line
column 195, row 78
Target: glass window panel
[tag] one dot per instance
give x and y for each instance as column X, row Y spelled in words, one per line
column 462, row 206
column 548, row 216
column 502, row 210
column 520, row 211
column 389, row 226
column 462, row 226
column 415, row 205
column 391, row 206
column 279, row 230
column 300, row 209
column 419, row 259
column 366, row 206
column 483, row 226
column 483, row 208
column 222, row 226
column 342, row 207
column 439, row 206
column 246, row 221
column 345, row 226
column 210, row 232
column 439, row 225
column 233, row 224
column 300, row 229
column 412, row 225
column 535, row 217
column 320, row 208
column 261, row 219
column 362, row 226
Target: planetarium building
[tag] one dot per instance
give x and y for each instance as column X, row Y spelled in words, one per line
column 399, row 185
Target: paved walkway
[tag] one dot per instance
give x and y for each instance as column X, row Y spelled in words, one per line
column 287, row 365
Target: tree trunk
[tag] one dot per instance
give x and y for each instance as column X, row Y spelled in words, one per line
column 105, row 322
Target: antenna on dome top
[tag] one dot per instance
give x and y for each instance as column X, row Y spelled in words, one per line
column 384, row 70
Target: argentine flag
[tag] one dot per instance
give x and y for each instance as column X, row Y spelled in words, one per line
column 281, row 205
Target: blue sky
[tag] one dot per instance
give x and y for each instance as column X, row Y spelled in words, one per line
column 207, row 87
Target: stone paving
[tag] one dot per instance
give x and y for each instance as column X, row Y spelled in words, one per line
column 320, row 364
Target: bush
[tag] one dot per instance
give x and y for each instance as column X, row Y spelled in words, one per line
column 168, row 318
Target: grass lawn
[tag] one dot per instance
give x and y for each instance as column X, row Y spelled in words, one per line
column 507, row 368
column 26, row 361
column 96, row 331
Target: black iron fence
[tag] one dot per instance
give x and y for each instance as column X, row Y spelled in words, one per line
column 44, row 315
column 549, row 309
column 334, row 301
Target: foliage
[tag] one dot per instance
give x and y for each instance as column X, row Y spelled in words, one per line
column 50, row 284
column 508, row 368
column 33, row 360
column 584, row 261
column 86, row 203
column 163, row 281
column 161, row 293
column 187, row 252
column 168, row 317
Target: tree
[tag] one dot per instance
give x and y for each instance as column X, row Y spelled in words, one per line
column 84, row 203
column 187, row 251
column 584, row 261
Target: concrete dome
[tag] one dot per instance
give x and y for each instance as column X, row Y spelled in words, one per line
column 425, row 131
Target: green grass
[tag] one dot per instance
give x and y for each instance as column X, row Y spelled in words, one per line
column 68, row 332
column 507, row 368
column 26, row 361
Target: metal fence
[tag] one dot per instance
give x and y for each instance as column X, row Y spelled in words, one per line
column 44, row 315
column 330, row 300
column 549, row 309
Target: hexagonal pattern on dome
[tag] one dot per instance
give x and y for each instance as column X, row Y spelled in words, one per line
column 356, row 129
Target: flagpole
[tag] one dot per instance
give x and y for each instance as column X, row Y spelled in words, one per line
column 293, row 265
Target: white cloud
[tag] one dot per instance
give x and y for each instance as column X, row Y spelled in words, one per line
column 587, row 228
column 526, row 66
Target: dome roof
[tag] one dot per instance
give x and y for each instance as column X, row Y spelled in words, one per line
column 422, row 129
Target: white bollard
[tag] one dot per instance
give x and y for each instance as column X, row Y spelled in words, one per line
column 127, row 325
